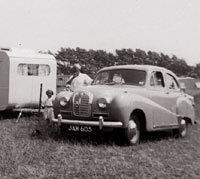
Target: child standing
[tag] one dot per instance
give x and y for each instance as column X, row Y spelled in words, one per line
column 48, row 106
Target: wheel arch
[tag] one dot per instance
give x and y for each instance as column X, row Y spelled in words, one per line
column 142, row 118
column 186, row 110
column 188, row 120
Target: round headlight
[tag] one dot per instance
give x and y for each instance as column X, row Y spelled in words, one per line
column 63, row 102
column 102, row 103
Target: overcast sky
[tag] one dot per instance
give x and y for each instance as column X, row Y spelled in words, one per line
column 168, row 26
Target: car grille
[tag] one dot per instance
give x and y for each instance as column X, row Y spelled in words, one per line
column 81, row 106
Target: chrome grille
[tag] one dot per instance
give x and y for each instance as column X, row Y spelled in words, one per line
column 81, row 106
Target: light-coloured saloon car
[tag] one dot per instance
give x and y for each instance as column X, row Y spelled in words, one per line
column 130, row 99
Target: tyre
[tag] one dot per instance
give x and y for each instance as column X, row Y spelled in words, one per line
column 133, row 131
column 182, row 130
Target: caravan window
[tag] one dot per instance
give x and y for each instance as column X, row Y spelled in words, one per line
column 33, row 69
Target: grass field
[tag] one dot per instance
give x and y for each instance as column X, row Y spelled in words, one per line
column 48, row 155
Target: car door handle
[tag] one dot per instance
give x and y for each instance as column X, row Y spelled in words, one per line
column 167, row 92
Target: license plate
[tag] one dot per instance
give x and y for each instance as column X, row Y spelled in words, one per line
column 76, row 128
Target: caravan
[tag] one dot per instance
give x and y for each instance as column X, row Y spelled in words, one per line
column 22, row 74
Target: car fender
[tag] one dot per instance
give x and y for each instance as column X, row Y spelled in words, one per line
column 185, row 107
column 62, row 94
column 122, row 107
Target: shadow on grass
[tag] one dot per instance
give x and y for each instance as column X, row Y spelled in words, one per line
column 157, row 136
column 38, row 129
column 15, row 114
column 44, row 131
column 109, row 138
column 8, row 114
column 97, row 138
column 94, row 138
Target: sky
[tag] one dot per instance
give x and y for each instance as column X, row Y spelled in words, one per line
column 168, row 26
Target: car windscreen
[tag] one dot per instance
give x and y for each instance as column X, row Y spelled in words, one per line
column 121, row 76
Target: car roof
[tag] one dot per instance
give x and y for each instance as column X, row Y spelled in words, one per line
column 139, row 67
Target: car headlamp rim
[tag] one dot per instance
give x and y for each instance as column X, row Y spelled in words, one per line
column 63, row 101
column 102, row 103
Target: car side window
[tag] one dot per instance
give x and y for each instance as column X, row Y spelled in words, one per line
column 103, row 78
column 157, row 80
column 172, row 84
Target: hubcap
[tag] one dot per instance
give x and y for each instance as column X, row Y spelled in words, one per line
column 133, row 132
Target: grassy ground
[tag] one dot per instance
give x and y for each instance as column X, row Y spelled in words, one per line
column 48, row 155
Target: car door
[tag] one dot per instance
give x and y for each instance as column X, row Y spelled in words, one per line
column 173, row 92
column 158, row 93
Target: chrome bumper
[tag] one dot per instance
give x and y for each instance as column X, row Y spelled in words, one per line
column 101, row 123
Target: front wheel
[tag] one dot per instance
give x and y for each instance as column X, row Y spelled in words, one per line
column 132, row 132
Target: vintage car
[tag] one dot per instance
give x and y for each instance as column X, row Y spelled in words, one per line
column 130, row 99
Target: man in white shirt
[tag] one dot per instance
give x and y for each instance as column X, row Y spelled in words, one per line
column 78, row 79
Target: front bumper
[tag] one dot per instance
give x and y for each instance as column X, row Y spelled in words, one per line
column 101, row 123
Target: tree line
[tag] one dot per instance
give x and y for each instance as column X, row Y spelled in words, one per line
column 93, row 60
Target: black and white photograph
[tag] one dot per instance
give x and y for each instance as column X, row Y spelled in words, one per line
column 100, row 89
